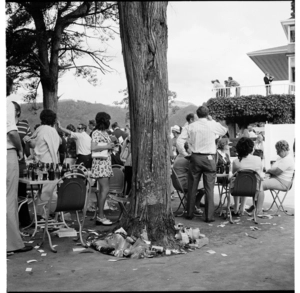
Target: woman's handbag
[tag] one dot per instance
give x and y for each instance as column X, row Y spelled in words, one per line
column 125, row 153
column 100, row 155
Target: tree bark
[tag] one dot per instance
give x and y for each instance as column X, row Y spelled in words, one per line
column 143, row 31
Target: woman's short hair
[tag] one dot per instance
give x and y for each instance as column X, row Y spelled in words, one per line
column 71, row 127
column 282, row 145
column 222, row 143
column 48, row 117
column 244, row 147
column 102, row 121
column 189, row 117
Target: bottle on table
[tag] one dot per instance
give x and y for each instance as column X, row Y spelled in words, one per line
column 35, row 174
column 63, row 170
column 45, row 173
column 51, row 172
column 57, row 172
column 30, row 171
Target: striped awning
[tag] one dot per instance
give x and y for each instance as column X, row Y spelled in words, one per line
column 273, row 60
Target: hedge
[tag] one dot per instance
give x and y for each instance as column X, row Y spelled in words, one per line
column 276, row 109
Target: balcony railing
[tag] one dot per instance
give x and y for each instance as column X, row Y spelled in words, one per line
column 275, row 89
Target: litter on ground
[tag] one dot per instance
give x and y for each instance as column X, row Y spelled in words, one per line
column 31, row 260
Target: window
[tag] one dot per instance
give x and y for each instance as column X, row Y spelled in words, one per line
column 292, row 34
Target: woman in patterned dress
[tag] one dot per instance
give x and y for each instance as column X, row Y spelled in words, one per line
column 101, row 168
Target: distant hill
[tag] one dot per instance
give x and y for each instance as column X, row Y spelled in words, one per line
column 75, row 112
column 72, row 112
column 179, row 117
column 182, row 104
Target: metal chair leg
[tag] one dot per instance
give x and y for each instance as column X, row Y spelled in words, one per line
column 83, row 243
column 254, row 212
column 46, row 228
column 180, row 204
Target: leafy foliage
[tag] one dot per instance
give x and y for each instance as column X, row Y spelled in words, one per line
column 46, row 39
column 244, row 110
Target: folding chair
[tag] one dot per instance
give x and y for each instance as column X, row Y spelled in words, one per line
column 277, row 201
column 79, row 169
column 246, row 183
column 72, row 195
column 116, row 187
column 178, row 187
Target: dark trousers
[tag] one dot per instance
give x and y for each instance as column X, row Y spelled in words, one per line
column 24, row 216
column 127, row 178
column 85, row 159
column 200, row 164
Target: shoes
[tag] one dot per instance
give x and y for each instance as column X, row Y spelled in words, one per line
column 249, row 210
column 233, row 214
column 103, row 221
column 25, row 234
column 24, row 249
column 198, row 212
column 189, row 217
column 209, row 221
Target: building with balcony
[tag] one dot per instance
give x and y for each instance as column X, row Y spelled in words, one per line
column 279, row 61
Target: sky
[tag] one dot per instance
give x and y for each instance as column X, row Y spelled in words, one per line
column 207, row 40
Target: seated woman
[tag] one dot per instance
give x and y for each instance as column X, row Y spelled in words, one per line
column 223, row 160
column 259, row 146
column 279, row 176
column 181, row 168
column 245, row 160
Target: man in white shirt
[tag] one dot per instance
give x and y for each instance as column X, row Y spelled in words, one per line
column 14, row 242
column 83, row 144
column 201, row 137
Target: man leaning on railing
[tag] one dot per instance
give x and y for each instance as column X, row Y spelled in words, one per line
column 233, row 83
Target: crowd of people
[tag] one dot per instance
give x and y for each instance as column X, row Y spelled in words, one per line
column 202, row 149
column 51, row 143
column 225, row 90
column 199, row 150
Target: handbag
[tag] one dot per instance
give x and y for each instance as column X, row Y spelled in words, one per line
column 100, row 154
column 125, row 154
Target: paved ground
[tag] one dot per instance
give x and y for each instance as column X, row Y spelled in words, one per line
column 265, row 262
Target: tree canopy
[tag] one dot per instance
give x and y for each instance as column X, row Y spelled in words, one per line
column 46, row 39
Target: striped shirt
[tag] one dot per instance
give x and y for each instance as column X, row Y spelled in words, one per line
column 23, row 130
column 201, row 136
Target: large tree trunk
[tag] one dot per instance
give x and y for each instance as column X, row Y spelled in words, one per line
column 49, row 86
column 143, row 31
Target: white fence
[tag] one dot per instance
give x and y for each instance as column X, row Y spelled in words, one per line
column 254, row 90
